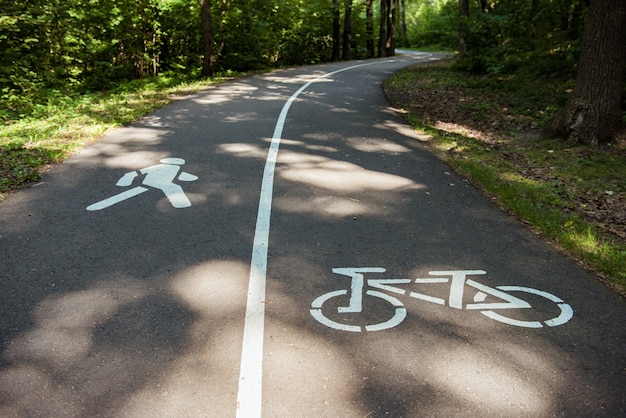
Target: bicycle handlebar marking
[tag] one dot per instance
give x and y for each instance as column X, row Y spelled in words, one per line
column 458, row 280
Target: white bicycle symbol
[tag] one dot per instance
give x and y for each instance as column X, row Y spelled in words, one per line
column 457, row 279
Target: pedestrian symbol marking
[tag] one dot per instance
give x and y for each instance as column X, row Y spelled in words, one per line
column 160, row 176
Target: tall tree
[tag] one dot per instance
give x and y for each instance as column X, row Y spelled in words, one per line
column 347, row 30
column 592, row 114
column 369, row 28
column 207, row 37
column 382, row 32
column 463, row 27
column 387, row 32
column 336, row 55
column 403, row 29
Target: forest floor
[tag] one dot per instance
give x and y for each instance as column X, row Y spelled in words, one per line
column 490, row 130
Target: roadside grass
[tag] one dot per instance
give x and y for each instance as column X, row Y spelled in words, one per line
column 489, row 130
column 52, row 132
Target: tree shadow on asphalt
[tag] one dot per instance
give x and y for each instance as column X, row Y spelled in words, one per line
column 138, row 310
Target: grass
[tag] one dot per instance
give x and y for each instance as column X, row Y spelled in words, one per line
column 52, row 132
column 489, row 129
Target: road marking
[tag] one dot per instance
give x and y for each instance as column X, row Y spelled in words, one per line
column 160, row 176
column 251, row 369
column 459, row 280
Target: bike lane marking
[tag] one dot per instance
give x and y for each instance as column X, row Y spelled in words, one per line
column 249, row 397
column 457, row 287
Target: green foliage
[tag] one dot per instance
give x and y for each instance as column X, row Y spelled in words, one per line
column 432, row 23
column 53, row 48
column 540, row 37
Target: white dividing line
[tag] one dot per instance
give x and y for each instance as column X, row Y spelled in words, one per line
column 251, row 371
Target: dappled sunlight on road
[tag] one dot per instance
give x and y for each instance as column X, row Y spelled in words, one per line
column 242, row 117
column 57, row 366
column 243, row 150
column 115, row 152
column 304, row 369
column 300, row 79
column 479, row 378
column 323, row 206
column 335, row 175
column 224, row 93
column 213, row 288
column 106, row 343
column 65, row 322
column 377, row 145
column 313, row 146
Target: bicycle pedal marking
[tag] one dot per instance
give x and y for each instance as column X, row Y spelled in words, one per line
column 458, row 280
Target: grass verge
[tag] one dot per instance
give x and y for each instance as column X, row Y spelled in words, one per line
column 52, row 132
column 488, row 130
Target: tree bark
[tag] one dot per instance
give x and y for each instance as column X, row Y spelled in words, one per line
column 592, row 114
column 382, row 32
column 369, row 28
column 405, row 38
column 391, row 34
column 387, row 33
column 207, row 37
column 464, row 17
column 336, row 55
column 347, row 31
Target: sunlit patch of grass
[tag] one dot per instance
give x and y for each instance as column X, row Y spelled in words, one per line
column 53, row 132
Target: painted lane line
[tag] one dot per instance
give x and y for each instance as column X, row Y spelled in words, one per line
column 251, row 369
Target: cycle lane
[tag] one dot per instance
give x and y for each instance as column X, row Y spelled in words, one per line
column 353, row 190
column 137, row 309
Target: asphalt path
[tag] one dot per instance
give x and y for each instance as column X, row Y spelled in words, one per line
column 282, row 245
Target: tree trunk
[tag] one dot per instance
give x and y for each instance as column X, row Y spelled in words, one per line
column 207, row 37
column 223, row 10
column 463, row 18
column 387, row 33
column 405, row 37
column 382, row 32
column 592, row 114
column 391, row 33
column 369, row 28
column 336, row 56
column 347, row 31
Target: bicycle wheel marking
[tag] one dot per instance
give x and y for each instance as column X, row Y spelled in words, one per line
column 317, row 312
column 458, row 280
column 397, row 318
column 566, row 310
